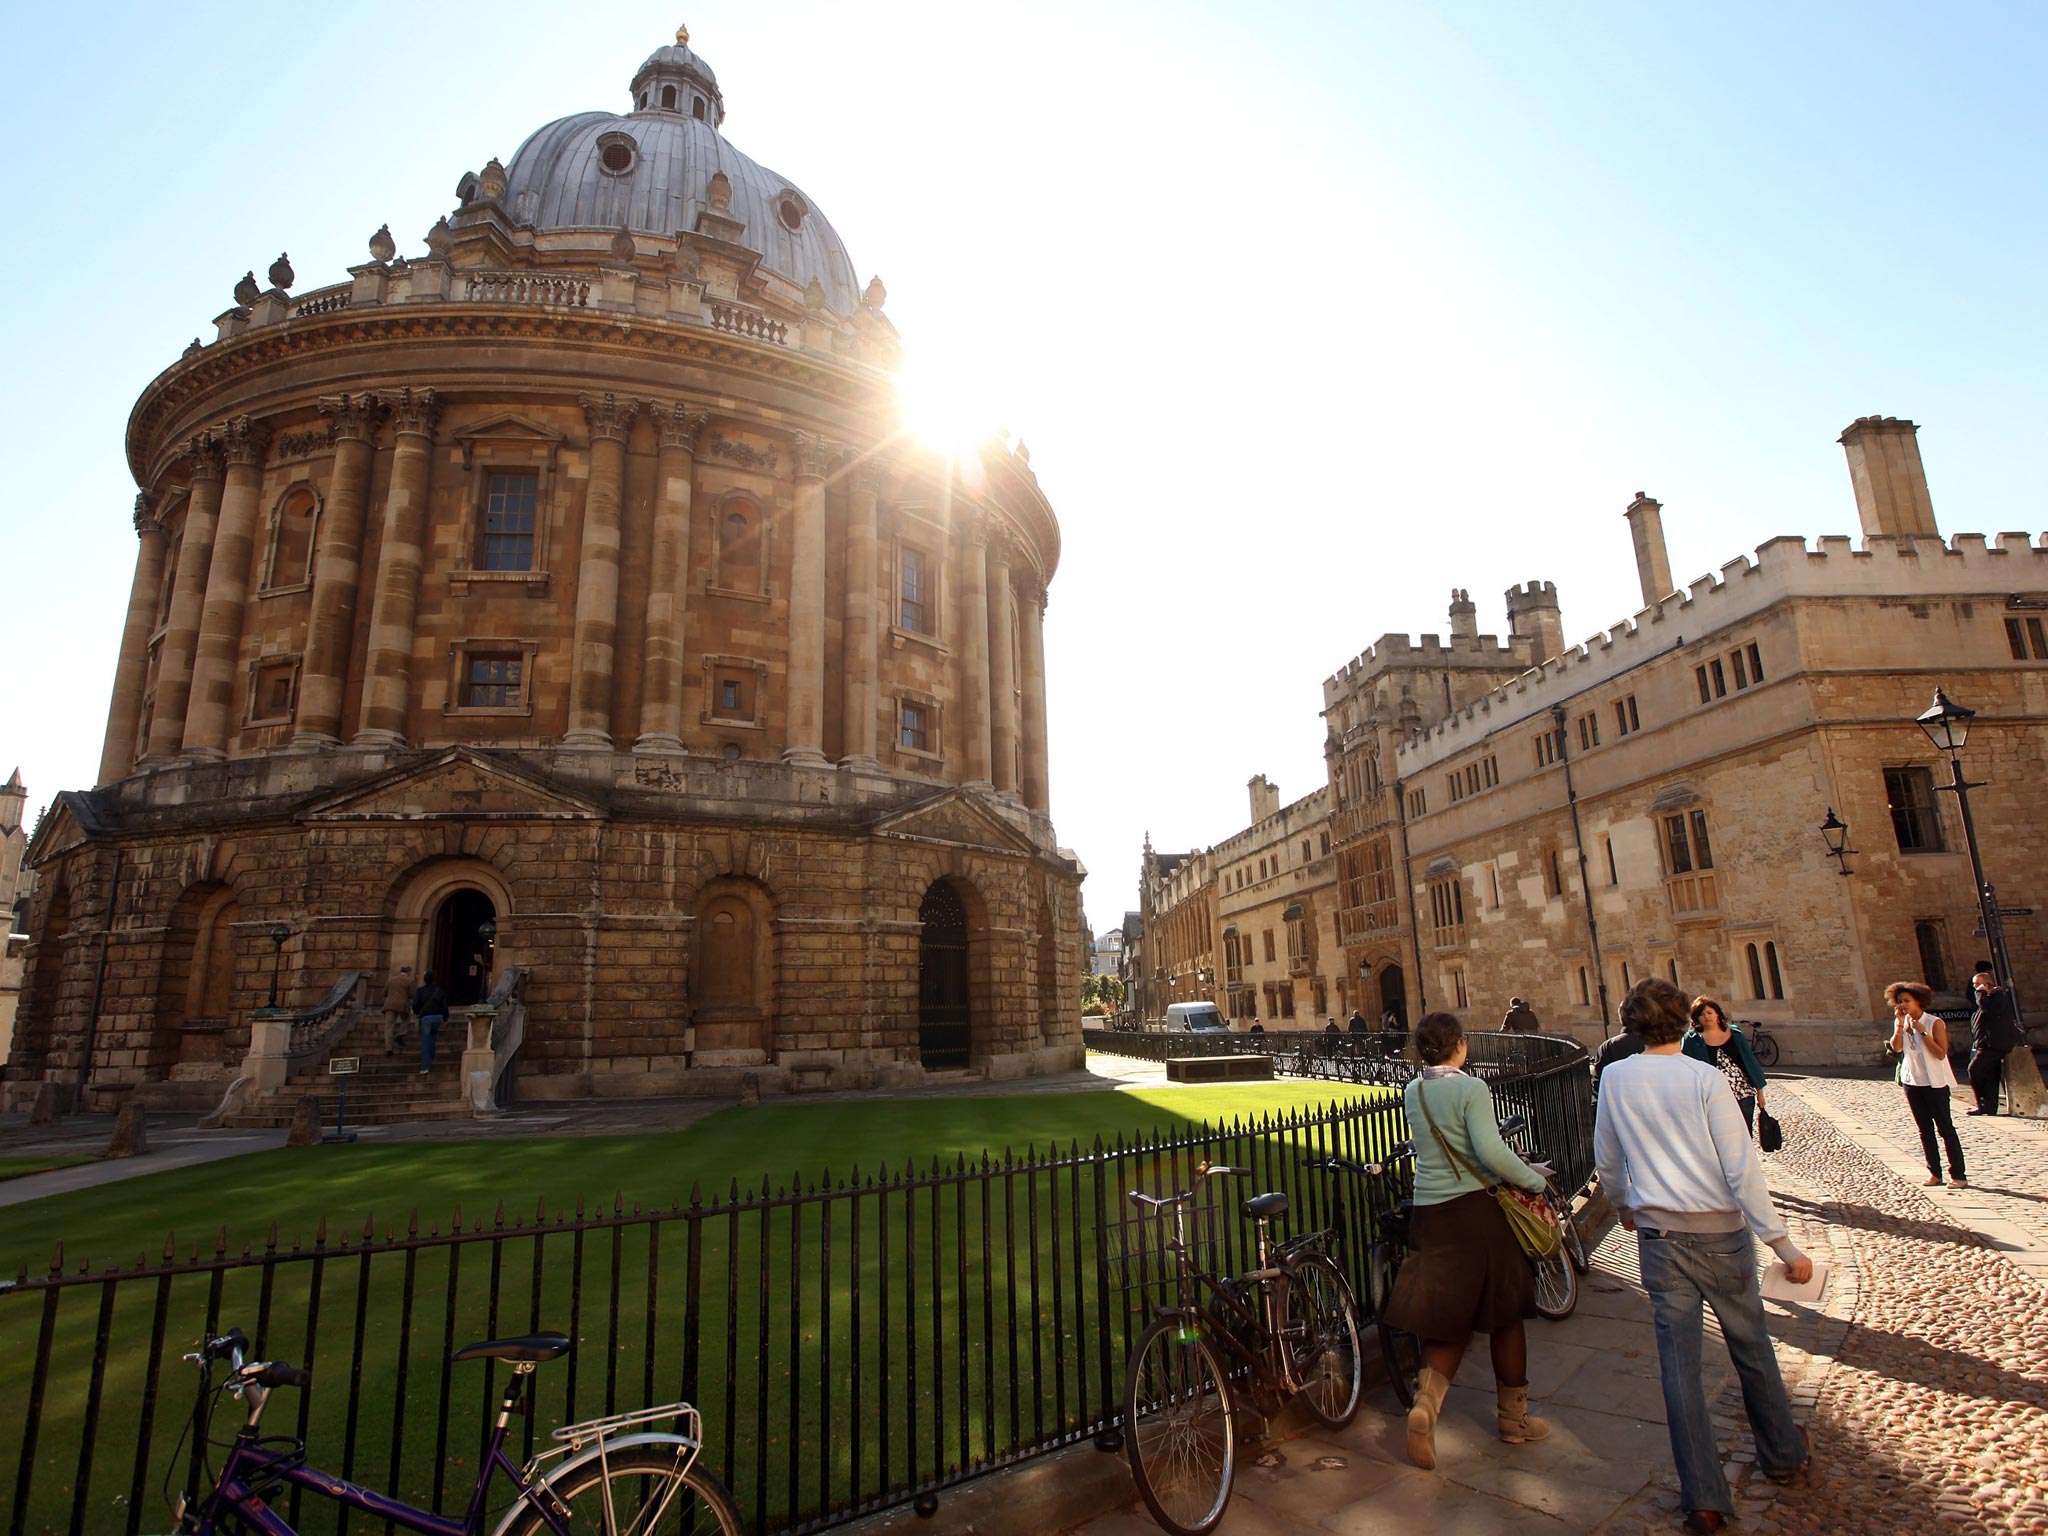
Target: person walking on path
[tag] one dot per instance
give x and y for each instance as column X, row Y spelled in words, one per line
column 1726, row 1049
column 1615, row 1048
column 430, row 1006
column 1467, row 1274
column 1994, row 1034
column 1920, row 1039
column 1520, row 1019
column 397, row 1008
column 1685, row 1178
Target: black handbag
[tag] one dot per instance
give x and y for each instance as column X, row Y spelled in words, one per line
column 1770, row 1136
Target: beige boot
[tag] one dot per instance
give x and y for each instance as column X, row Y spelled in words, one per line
column 1516, row 1424
column 1429, row 1402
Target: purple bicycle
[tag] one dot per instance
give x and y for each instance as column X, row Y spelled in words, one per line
column 613, row 1476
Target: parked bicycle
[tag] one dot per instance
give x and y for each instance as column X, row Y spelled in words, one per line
column 1762, row 1041
column 1285, row 1328
column 1557, row 1275
column 616, row 1476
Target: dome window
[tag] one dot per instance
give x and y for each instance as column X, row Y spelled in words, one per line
column 668, row 98
column 791, row 209
column 697, row 108
column 617, row 154
column 643, row 101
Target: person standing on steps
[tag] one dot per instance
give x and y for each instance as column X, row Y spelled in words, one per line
column 1683, row 1175
column 1356, row 1024
column 1466, row 1274
column 1520, row 1019
column 1994, row 1034
column 1920, row 1040
column 430, row 1007
column 397, row 1008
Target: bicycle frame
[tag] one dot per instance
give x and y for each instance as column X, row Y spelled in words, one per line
column 1268, row 1361
column 249, row 1463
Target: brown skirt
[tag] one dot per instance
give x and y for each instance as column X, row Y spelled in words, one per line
column 1464, row 1273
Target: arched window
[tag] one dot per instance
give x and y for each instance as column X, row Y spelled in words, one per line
column 1756, row 972
column 290, row 561
column 668, row 98
column 697, row 108
column 643, row 101
column 739, row 546
column 1777, row 977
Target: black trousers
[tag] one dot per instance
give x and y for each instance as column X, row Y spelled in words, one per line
column 1931, row 1114
column 1986, row 1067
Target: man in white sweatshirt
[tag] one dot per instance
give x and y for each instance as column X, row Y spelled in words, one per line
column 1677, row 1163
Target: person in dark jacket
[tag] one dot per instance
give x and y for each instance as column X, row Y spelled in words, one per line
column 1520, row 1020
column 430, row 1007
column 1994, row 1033
column 1356, row 1023
column 1718, row 1043
column 1616, row 1048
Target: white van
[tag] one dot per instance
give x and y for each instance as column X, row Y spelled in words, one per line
column 1196, row 1019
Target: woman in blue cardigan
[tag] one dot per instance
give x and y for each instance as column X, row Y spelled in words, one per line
column 1725, row 1048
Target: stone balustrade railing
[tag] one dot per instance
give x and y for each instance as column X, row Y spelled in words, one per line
column 529, row 288
column 748, row 322
column 322, row 301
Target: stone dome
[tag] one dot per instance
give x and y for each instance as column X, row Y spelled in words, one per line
column 652, row 171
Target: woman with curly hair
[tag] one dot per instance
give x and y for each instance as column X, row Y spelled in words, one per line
column 1725, row 1048
column 1920, row 1040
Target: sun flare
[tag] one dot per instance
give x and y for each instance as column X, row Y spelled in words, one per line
column 946, row 407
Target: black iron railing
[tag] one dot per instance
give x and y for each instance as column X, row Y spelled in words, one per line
column 851, row 1344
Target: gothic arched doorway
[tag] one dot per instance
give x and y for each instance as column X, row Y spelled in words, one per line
column 460, row 954
column 1394, row 995
column 944, row 1017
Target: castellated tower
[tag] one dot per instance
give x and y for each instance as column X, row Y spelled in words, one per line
column 1533, row 616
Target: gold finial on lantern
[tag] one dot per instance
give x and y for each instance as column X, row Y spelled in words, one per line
column 683, row 36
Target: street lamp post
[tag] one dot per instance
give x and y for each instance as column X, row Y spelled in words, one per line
column 278, row 934
column 1947, row 725
column 1835, row 833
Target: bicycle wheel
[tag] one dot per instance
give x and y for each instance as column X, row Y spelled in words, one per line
column 1322, row 1340
column 1180, row 1430
column 1557, row 1285
column 1766, row 1048
column 638, row 1491
column 1400, row 1352
column 1574, row 1244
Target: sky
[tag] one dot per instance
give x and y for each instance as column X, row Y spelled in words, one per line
column 1308, row 313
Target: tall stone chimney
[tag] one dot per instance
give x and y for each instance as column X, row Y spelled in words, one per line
column 1653, row 565
column 1464, row 616
column 1265, row 798
column 1891, row 484
column 1533, row 616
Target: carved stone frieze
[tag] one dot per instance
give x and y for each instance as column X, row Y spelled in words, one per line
column 744, row 454
column 416, row 411
column 353, row 416
column 608, row 416
column 677, row 425
column 299, row 445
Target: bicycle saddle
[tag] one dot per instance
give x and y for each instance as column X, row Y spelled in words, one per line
column 529, row 1349
column 1266, row 1207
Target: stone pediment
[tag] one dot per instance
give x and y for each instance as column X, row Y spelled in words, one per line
column 954, row 817
column 458, row 782
column 508, row 430
column 59, row 831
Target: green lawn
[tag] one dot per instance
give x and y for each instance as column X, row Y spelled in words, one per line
column 22, row 1167
column 953, row 1317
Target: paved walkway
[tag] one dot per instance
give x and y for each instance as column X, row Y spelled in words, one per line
column 1921, row 1375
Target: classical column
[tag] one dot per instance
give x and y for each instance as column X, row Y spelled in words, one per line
column 805, row 741
column 661, row 678
column 188, row 595
column 597, row 573
column 337, row 569
column 1002, row 668
column 214, row 662
column 124, row 714
column 860, row 673
column 394, row 605
column 974, row 712
column 1031, row 593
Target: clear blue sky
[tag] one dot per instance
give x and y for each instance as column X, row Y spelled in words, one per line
column 1308, row 313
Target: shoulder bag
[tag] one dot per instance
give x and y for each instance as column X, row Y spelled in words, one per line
column 1529, row 1216
column 1770, row 1136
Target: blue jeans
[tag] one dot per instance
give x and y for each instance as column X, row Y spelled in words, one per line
column 430, row 1029
column 1681, row 1270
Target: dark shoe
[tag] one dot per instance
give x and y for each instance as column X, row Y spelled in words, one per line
column 1704, row 1522
column 1785, row 1479
column 1977, row 1111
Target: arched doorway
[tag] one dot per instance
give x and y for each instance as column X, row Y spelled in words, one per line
column 1394, row 995
column 195, row 990
column 459, row 954
column 944, row 1017
column 732, row 974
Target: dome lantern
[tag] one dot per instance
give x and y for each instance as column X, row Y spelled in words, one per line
column 675, row 80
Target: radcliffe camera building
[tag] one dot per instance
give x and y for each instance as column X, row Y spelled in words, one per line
column 560, row 609
column 1511, row 816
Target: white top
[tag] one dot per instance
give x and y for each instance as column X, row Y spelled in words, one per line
column 1921, row 1067
column 1674, row 1154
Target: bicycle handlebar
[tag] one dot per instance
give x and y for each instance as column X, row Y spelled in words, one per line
column 276, row 1373
column 226, row 1345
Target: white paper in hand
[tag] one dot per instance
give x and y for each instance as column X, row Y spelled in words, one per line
column 1778, row 1286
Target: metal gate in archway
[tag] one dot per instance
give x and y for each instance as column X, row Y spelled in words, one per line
column 943, row 1020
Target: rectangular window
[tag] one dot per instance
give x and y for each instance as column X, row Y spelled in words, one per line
column 1585, row 988
column 732, row 693
column 509, row 514
column 1447, row 908
column 1549, row 747
column 1672, row 967
column 1304, row 850
column 1418, row 802
column 1741, row 670
column 1493, row 875
column 2024, row 635
column 1706, row 693
column 1928, row 935
column 917, row 728
column 1626, row 720
column 1915, row 821
column 1269, row 946
column 1613, row 877
column 270, row 698
column 1756, row 662
column 1460, row 997
column 1589, row 732
column 2016, row 638
column 1720, row 678
column 492, row 680
column 916, row 591
column 1689, row 864
column 1553, row 873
